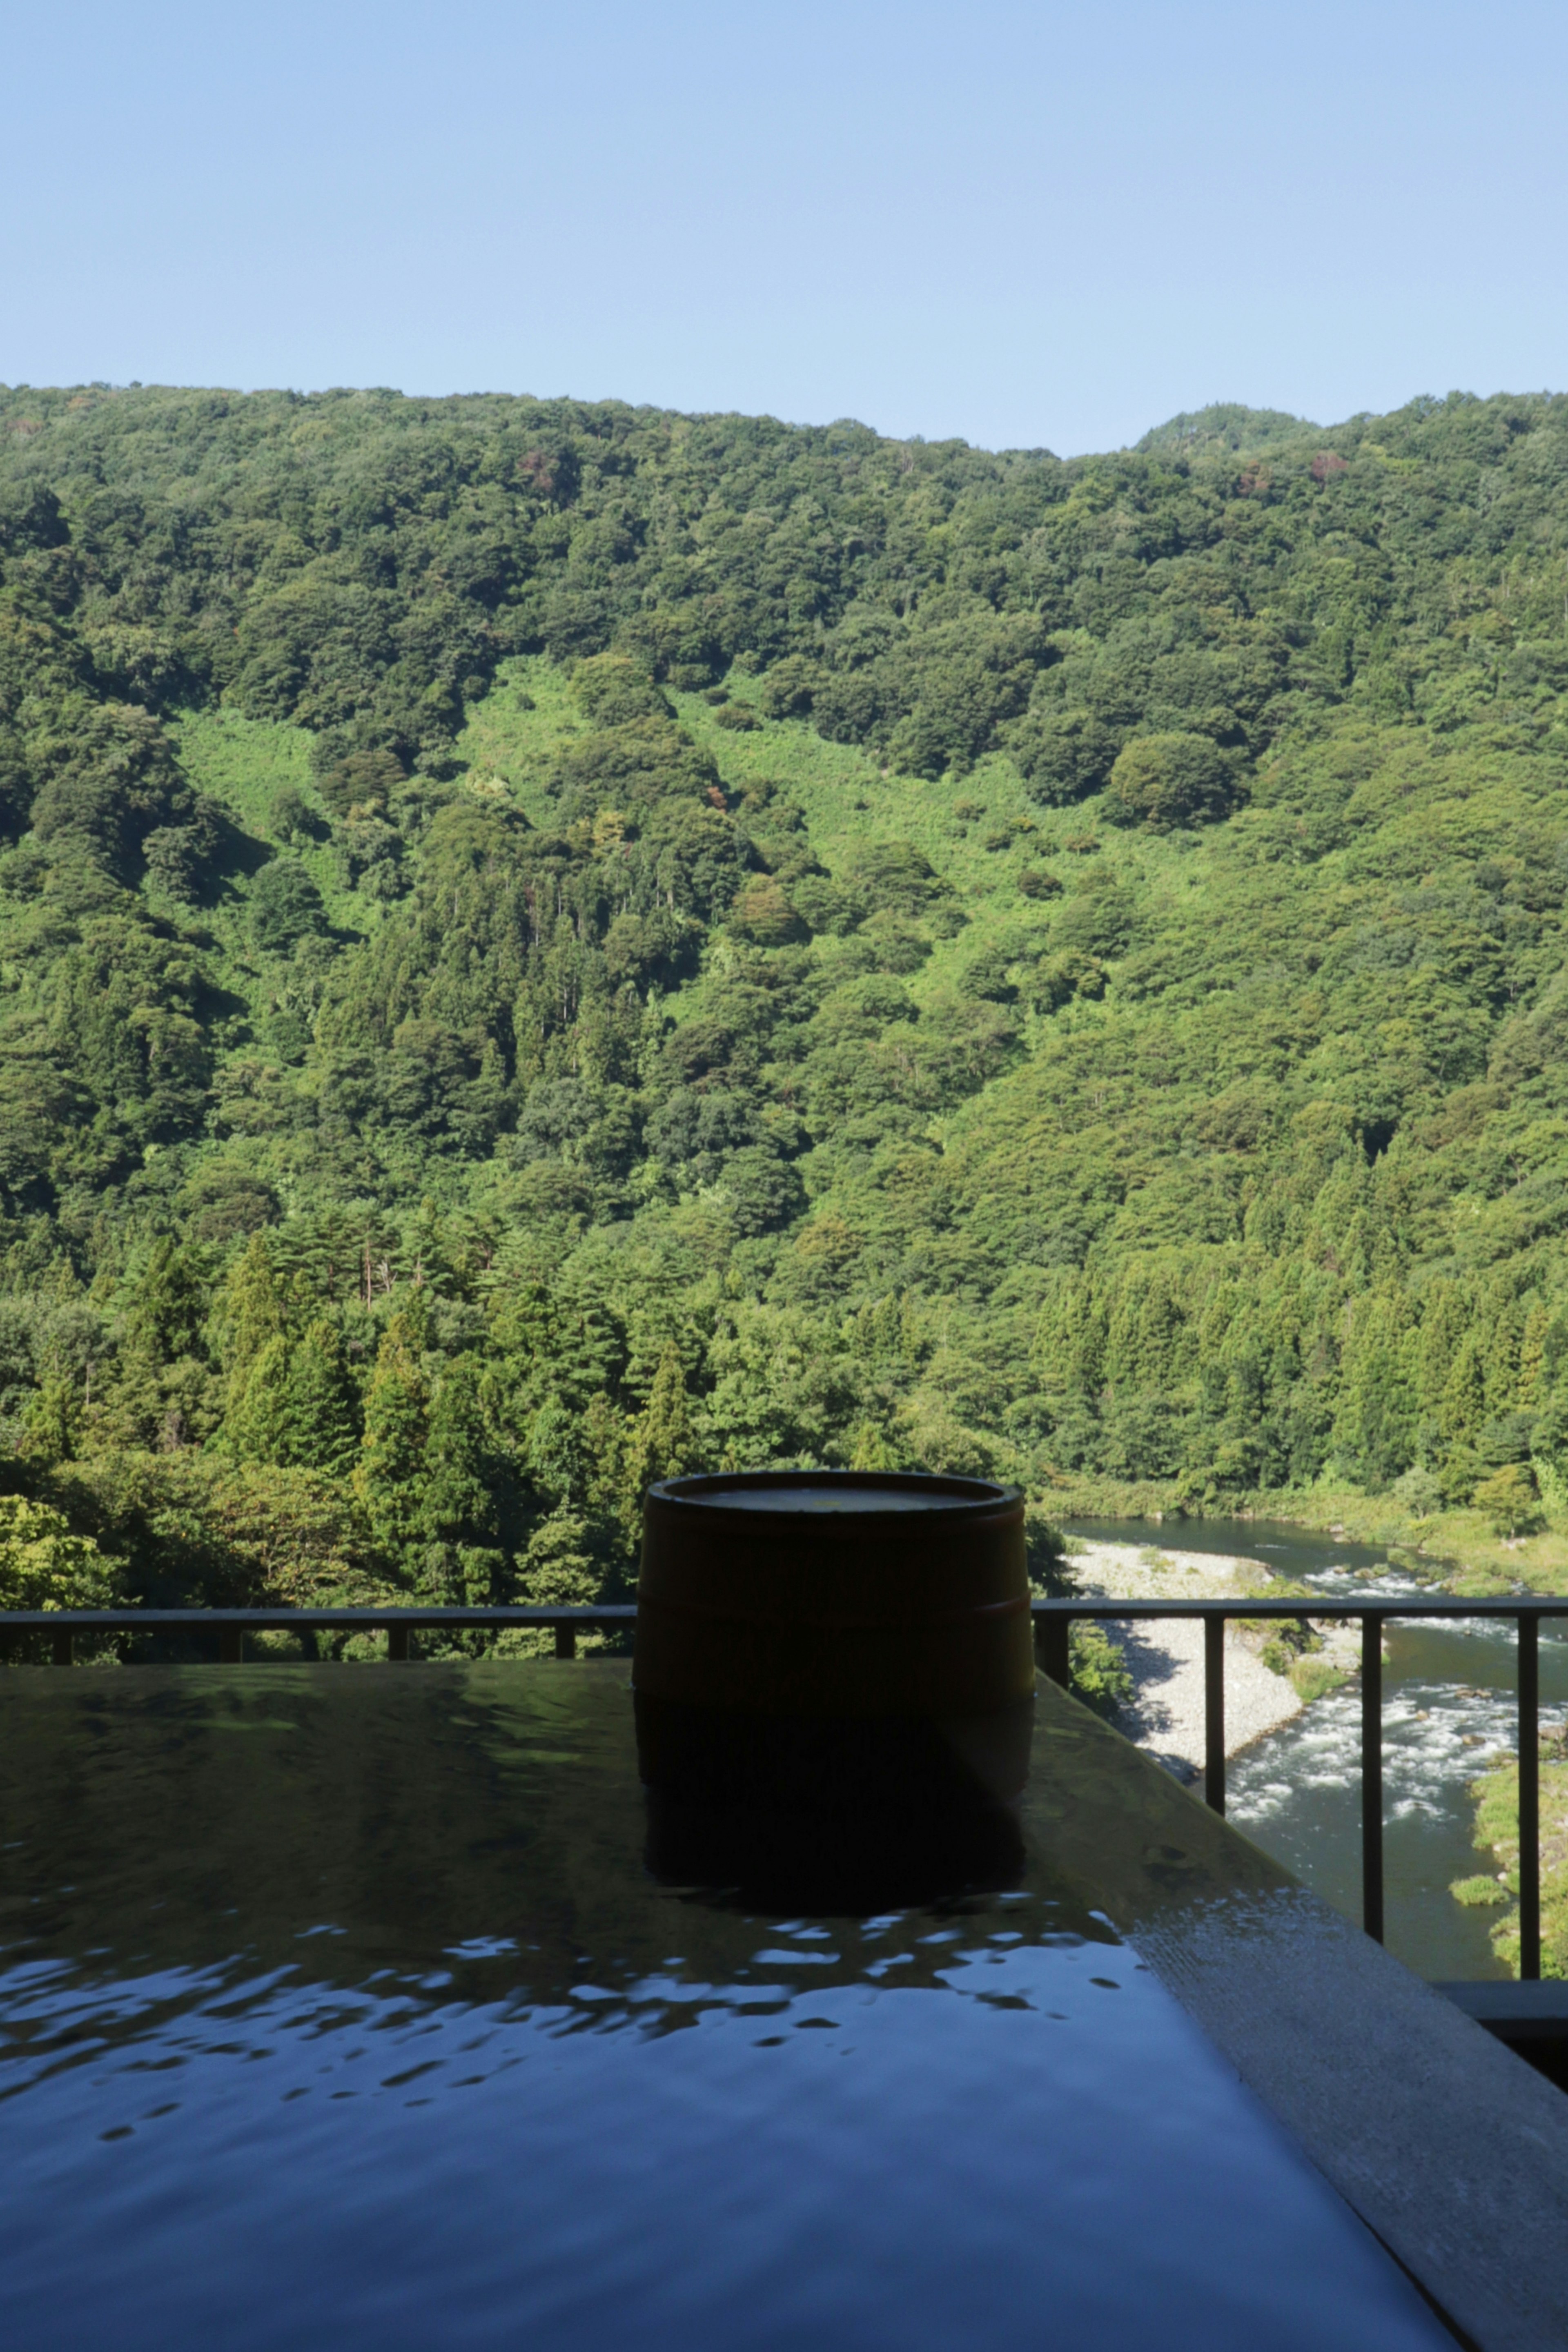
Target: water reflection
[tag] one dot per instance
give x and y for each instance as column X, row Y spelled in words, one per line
column 847, row 1864
column 338, row 2009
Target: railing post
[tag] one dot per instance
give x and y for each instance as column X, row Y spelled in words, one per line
column 64, row 1647
column 1529, row 1798
column 566, row 1640
column 1371, row 1776
column 1213, row 1714
column 1053, row 1649
column 230, row 1645
column 397, row 1645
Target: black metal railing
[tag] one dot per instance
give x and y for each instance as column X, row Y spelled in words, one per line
column 232, row 1625
column 1053, row 1621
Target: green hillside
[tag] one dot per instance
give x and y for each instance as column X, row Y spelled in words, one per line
column 545, row 943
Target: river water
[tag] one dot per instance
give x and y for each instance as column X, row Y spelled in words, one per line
column 1449, row 1707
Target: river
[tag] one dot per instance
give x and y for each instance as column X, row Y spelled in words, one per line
column 1448, row 1706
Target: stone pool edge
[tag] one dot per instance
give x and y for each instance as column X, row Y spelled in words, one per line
column 1451, row 2149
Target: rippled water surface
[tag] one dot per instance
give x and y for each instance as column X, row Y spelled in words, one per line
column 1449, row 1705
column 340, row 2008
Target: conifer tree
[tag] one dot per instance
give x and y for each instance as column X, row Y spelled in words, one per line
column 558, row 1567
column 661, row 1443
column 1532, row 1356
column 459, row 1513
column 52, row 1423
column 162, row 1389
column 1085, row 1340
column 169, row 1309
column 557, row 1459
column 250, row 1316
column 257, row 1426
column 1443, row 1321
column 1374, row 1430
column 1505, row 1340
column 322, row 1404
column 390, row 1476
column 1464, row 1407
column 603, row 1448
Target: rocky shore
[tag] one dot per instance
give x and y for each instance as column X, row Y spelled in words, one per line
column 1165, row 1714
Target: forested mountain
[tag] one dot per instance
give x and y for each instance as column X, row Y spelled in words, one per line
column 545, row 943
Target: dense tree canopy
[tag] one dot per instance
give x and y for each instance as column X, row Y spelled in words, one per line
column 544, row 942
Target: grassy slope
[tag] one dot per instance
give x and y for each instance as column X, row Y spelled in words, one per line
column 244, row 764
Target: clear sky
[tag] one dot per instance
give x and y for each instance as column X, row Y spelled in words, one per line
column 1036, row 226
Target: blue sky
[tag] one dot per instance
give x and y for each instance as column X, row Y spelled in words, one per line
column 1031, row 226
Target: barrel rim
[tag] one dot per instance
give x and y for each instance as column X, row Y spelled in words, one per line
column 974, row 1500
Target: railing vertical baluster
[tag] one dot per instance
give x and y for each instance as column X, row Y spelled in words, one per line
column 397, row 1645
column 63, row 1649
column 1052, row 1649
column 231, row 1646
column 566, row 1640
column 1529, row 1797
column 1371, row 1775
column 1214, row 1713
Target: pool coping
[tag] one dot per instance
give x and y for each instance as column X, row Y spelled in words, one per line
column 1451, row 2149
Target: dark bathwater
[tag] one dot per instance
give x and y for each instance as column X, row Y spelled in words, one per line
column 339, row 2009
column 818, row 1499
column 1449, row 1707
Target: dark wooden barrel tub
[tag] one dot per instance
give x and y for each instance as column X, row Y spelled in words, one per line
column 831, row 1641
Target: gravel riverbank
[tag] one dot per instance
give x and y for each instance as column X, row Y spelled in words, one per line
column 1166, row 1660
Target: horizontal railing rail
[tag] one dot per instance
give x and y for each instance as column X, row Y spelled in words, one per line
column 1053, row 1622
column 232, row 1625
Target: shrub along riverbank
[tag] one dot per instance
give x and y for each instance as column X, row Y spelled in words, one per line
column 1496, row 1832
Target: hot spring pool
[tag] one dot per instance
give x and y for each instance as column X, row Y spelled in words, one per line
column 339, row 2007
